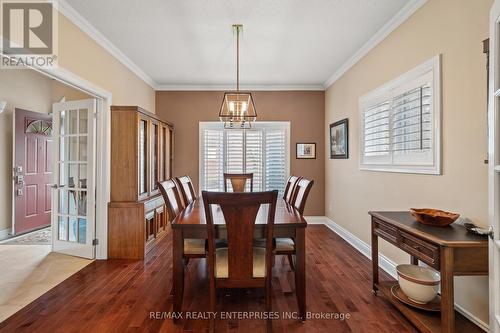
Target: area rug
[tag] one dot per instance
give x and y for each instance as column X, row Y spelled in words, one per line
column 39, row 237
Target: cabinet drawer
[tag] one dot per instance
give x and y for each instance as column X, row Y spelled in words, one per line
column 385, row 231
column 424, row 251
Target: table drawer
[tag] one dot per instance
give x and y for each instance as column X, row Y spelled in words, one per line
column 424, row 251
column 385, row 231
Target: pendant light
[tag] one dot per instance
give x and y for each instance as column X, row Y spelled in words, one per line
column 237, row 109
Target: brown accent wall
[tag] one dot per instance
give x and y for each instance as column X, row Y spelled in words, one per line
column 304, row 109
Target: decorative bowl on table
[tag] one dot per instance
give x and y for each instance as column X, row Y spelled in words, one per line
column 419, row 283
column 434, row 217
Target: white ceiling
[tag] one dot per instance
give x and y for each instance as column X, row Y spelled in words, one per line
column 190, row 43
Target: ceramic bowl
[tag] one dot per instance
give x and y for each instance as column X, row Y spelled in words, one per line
column 419, row 283
column 434, row 217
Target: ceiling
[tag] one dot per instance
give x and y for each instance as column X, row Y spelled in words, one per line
column 285, row 43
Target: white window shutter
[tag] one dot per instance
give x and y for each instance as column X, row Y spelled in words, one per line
column 262, row 151
column 213, row 160
column 275, row 160
column 401, row 128
column 234, row 151
column 376, row 132
column 254, row 158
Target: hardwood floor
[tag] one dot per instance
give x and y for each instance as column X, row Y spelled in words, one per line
column 120, row 295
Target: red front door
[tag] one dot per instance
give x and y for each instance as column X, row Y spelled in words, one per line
column 32, row 170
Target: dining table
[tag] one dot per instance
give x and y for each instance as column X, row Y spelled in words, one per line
column 190, row 223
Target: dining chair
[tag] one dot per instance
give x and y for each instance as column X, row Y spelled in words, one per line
column 187, row 189
column 238, row 181
column 301, row 193
column 286, row 245
column 193, row 248
column 290, row 188
column 240, row 264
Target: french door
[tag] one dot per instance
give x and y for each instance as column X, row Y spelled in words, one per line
column 494, row 167
column 73, row 197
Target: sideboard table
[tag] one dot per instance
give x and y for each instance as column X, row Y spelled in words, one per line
column 450, row 250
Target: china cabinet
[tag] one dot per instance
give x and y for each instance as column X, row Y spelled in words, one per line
column 141, row 155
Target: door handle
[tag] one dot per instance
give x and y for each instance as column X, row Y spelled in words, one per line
column 55, row 186
column 20, row 180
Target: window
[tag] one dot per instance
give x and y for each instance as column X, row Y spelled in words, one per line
column 261, row 150
column 401, row 123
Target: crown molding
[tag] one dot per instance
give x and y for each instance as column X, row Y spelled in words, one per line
column 84, row 25
column 65, row 8
column 379, row 36
column 231, row 87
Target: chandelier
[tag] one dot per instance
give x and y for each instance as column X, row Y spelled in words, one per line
column 237, row 109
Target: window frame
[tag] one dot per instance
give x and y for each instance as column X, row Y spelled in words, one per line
column 387, row 92
column 256, row 126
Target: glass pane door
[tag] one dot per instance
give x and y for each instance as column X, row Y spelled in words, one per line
column 74, row 191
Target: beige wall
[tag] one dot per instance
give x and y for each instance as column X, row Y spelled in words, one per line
column 304, row 109
column 82, row 56
column 454, row 28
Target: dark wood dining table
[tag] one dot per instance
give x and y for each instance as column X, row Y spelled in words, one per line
column 190, row 223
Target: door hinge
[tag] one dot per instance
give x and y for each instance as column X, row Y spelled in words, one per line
column 95, row 241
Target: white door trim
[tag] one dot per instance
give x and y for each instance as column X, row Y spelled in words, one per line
column 494, row 173
column 103, row 150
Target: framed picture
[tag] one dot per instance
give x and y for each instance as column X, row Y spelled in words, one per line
column 339, row 139
column 306, row 150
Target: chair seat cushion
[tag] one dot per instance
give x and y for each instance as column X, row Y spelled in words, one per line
column 194, row 246
column 221, row 263
column 285, row 244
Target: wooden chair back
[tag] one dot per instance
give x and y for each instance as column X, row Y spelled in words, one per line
column 301, row 192
column 291, row 183
column 238, row 181
column 171, row 196
column 187, row 189
column 240, row 213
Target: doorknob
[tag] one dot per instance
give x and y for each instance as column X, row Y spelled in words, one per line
column 54, row 186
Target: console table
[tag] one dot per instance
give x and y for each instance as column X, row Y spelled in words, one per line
column 450, row 250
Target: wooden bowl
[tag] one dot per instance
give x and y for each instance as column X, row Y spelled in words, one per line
column 434, row 217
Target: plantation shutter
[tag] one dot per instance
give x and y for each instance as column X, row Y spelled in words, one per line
column 254, row 158
column 275, row 160
column 376, row 132
column 401, row 123
column 213, row 160
column 234, row 152
column 261, row 150
column 411, row 125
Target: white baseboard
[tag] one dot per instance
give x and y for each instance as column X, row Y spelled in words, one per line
column 385, row 263
column 4, row 234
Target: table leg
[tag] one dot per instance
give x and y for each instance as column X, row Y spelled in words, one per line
column 447, row 298
column 374, row 260
column 178, row 269
column 300, row 271
column 414, row 260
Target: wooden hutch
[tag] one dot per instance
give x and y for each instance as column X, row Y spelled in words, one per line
column 141, row 155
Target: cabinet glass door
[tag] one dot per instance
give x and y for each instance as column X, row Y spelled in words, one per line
column 143, row 155
column 155, row 161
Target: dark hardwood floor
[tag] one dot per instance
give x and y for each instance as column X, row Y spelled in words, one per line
column 119, row 296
